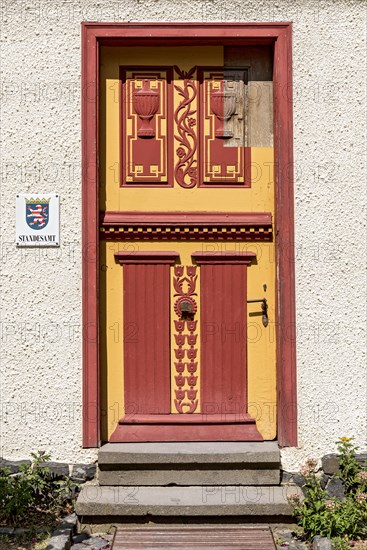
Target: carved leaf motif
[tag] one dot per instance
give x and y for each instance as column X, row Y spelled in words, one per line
column 179, row 325
column 180, row 367
column 180, row 394
column 192, row 367
column 180, row 339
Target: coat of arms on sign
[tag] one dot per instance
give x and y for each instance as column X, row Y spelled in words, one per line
column 37, row 219
column 37, row 212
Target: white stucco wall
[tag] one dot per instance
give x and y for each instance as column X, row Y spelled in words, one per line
column 40, row 371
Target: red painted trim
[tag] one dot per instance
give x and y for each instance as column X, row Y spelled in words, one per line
column 170, row 34
column 258, row 234
column 218, row 257
column 90, row 253
column 196, row 418
column 141, row 257
column 185, row 432
column 284, row 219
column 200, row 219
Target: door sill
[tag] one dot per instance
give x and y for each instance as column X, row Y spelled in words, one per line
column 186, row 428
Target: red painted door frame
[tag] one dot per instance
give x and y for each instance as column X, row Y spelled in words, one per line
column 122, row 34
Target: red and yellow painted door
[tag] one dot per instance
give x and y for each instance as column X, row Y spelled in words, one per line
column 187, row 267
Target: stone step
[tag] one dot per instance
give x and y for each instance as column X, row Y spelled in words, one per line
column 98, row 504
column 189, row 463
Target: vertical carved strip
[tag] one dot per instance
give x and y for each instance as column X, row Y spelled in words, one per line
column 185, row 120
column 185, row 340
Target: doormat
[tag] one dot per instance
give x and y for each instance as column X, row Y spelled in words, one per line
column 192, row 538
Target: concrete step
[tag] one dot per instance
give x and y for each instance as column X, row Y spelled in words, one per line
column 98, row 504
column 189, row 463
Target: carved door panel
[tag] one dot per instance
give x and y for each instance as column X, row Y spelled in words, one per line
column 186, row 241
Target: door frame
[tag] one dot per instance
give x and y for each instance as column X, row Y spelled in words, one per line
column 126, row 34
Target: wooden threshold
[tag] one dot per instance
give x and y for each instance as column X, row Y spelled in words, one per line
column 192, row 538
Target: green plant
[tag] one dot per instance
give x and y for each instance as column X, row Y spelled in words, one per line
column 33, row 491
column 341, row 519
column 349, row 467
column 339, row 543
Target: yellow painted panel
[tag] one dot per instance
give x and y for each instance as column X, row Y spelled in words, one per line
column 111, row 338
column 258, row 198
column 112, row 197
column 261, row 340
column 261, row 348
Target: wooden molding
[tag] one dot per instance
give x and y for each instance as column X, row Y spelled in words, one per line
column 142, row 257
column 174, row 226
column 279, row 35
column 217, row 257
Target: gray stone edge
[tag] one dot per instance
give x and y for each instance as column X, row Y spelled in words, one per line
column 115, row 454
column 257, row 510
column 121, row 501
column 61, row 537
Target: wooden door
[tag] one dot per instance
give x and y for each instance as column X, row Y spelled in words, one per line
column 187, row 201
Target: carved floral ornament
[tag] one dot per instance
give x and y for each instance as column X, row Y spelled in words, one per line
column 185, row 118
column 185, row 351
column 178, row 128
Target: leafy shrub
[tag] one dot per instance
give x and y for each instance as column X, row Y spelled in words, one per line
column 33, row 491
column 342, row 519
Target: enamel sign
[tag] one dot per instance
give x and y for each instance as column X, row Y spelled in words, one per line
column 37, row 219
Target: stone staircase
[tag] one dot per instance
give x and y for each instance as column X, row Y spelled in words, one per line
column 186, row 482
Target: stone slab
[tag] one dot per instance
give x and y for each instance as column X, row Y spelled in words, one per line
column 330, row 462
column 159, row 477
column 13, row 465
column 57, row 469
column 335, row 488
column 96, row 543
column 185, row 501
column 61, row 538
column 266, row 452
column 321, row 543
column 83, row 472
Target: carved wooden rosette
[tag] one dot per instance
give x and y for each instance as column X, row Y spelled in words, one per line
column 185, row 351
column 186, row 170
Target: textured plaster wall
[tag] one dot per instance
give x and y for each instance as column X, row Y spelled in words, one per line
column 40, row 376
